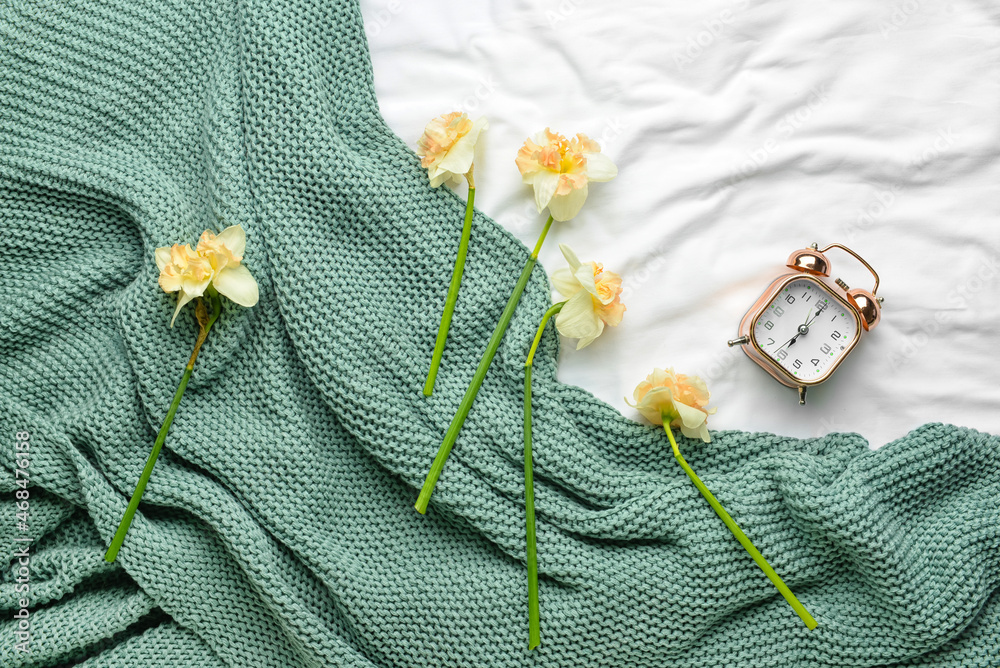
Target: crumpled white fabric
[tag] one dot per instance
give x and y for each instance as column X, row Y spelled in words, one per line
column 744, row 130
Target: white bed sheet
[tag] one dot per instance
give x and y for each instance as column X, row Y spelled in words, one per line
column 744, row 130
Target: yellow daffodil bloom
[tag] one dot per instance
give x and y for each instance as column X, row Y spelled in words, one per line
column 560, row 169
column 676, row 399
column 216, row 261
column 448, row 147
column 593, row 298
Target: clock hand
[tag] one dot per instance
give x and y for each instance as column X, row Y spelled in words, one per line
column 803, row 329
column 790, row 342
column 813, row 319
column 810, row 320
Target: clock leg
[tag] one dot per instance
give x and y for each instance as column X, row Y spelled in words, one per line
column 802, row 395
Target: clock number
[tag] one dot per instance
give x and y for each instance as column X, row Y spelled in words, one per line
column 815, row 362
column 835, row 336
column 768, row 325
column 825, row 348
column 778, row 311
column 770, row 342
column 782, row 354
column 790, row 299
column 797, row 364
column 806, row 297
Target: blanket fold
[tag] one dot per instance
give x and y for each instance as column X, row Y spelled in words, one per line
column 277, row 528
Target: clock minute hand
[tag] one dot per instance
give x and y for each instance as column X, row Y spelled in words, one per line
column 813, row 319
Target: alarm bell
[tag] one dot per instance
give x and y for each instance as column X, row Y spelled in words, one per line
column 813, row 261
column 809, row 260
column 869, row 306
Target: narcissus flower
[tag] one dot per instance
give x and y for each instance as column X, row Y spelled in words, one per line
column 675, row 399
column 448, row 147
column 559, row 170
column 206, row 273
column 215, row 261
column 593, row 298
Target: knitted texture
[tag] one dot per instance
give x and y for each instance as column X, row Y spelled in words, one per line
column 278, row 527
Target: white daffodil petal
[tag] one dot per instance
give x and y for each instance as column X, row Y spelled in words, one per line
column 459, row 158
column 235, row 239
column 651, row 405
column 586, row 341
column 701, row 431
column 578, row 319
column 238, row 284
column 565, row 207
column 545, row 184
column 564, row 281
column 571, row 259
column 478, row 126
column 691, row 417
column 182, row 299
column 659, row 396
column 585, row 274
column 438, row 178
column 162, row 256
column 599, row 167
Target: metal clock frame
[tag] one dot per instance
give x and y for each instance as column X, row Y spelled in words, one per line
column 789, row 379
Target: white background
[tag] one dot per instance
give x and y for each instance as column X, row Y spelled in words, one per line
column 744, row 130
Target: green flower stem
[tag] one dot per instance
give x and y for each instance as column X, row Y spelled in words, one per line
column 541, row 239
column 534, row 626
column 205, row 322
column 140, row 488
column 555, row 308
column 477, row 379
column 449, row 303
column 740, row 536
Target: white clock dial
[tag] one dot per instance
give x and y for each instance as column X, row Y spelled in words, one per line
column 805, row 330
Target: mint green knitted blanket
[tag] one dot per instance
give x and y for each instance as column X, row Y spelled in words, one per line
column 278, row 528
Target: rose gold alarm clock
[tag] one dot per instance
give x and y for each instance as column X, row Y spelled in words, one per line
column 802, row 327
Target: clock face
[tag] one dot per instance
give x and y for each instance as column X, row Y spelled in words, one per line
column 806, row 330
